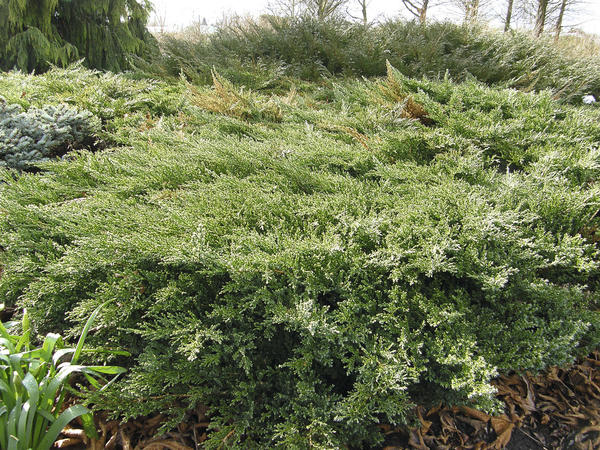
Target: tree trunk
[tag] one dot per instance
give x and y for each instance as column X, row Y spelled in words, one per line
column 472, row 11
column 423, row 12
column 559, row 21
column 540, row 19
column 508, row 15
column 364, row 12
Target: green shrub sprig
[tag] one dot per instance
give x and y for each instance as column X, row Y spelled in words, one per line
column 37, row 135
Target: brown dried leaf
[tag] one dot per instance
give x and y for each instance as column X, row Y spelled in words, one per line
column 69, row 442
column 169, row 444
column 595, row 362
column 434, row 410
column 425, row 424
column 475, row 414
column 112, row 442
column 447, row 421
column 384, row 427
column 528, row 403
column 416, row 440
column 74, row 433
column 477, row 424
column 588, row 429
column 125, row 440
column 552, row 400
column 504, row 437
column 500, row 423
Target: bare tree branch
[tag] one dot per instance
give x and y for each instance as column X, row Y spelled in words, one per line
column 417, row 8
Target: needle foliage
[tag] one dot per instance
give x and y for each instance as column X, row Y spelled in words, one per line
column 311, row 274
column 35, row 34
column 335, row 46
column 39, row 134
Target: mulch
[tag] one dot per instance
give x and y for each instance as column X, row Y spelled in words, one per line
column 558, row 409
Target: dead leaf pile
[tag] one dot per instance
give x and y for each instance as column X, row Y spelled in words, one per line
column 558, row 409
column 140, row 434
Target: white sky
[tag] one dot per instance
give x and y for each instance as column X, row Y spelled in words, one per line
column 184, row 12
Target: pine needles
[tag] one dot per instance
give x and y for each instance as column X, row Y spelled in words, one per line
column 395, row 91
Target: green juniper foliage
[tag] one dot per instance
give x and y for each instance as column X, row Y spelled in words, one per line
column 37, row 135
column 34, row 33
column 309, row 277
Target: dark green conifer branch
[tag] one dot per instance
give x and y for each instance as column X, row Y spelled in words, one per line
column 35, row 34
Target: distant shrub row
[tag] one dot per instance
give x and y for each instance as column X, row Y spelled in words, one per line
column 339, row 47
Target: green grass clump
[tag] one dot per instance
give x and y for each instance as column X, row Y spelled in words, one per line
column 33, row 383
column 309, row 277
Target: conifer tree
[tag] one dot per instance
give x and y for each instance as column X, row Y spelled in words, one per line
column 36, row 33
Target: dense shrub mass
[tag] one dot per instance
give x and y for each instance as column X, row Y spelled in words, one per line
column 378, row 243
column 339, row 47
column 34, row 136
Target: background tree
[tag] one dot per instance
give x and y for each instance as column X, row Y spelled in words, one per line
column 471, row 10
column 159, row 19
column 561, row 15
column 418, row 8
column 363, row 10
column 28, row 36
column 508, row 16
column 540, row 16
column 34, row 33
column 286, row 8
column 324, row 9
column 544, row 15
column 563, row 9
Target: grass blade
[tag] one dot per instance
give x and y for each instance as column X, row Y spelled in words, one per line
column 66, row 416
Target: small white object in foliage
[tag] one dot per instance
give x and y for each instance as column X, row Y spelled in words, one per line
column 589, row 99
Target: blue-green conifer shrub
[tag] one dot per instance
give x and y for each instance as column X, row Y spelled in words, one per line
column 36, row 135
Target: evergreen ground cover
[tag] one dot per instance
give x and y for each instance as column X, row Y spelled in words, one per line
column 309, row 262
column 40, row 134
